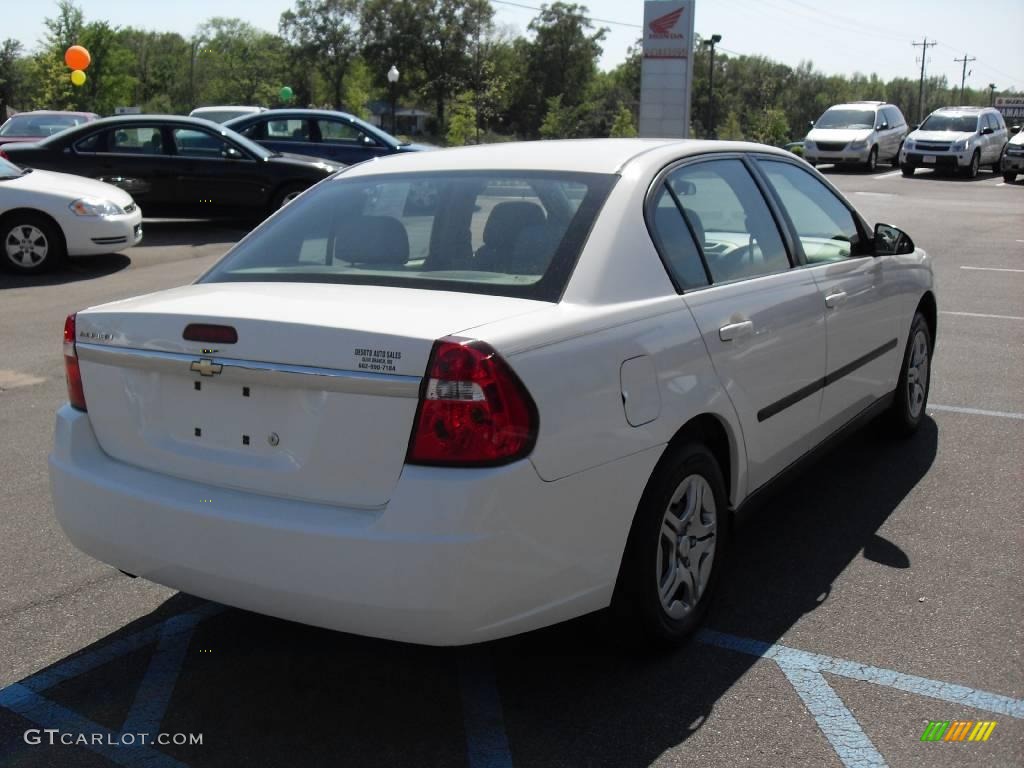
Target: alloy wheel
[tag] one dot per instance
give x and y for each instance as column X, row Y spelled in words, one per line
column 686, row 546
column 917, row 374
column 26, row 246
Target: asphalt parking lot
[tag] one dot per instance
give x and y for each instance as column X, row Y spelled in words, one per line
column 881, row 590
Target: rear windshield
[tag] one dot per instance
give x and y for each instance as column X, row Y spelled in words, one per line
column 39, row 125
column 955, row 123
column 505, row 233
column 847, row 118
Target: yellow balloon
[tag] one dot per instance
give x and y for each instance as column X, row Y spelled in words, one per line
column 78, row 77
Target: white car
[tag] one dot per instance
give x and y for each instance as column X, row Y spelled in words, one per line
column 543, row 394
column 862, row 133
column 956, row 139
column 45, row 216
column 1013, row 157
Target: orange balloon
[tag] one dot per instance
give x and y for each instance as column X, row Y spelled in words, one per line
column 77, row 57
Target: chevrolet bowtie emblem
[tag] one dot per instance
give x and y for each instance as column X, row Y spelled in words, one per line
column 204, row 366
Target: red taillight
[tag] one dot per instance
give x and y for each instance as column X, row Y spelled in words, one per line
column 474, row 410
column 73, row 374
column 4, row 155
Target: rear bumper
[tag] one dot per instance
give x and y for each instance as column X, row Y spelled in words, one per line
column 456, row 556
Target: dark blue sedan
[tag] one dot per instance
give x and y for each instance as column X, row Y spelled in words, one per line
column 336, row 136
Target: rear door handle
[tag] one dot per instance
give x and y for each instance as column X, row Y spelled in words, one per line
column 735, row 330
column 833, row 300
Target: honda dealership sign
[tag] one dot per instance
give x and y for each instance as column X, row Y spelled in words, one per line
column 667, row 74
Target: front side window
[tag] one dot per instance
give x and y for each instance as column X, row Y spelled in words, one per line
column 507, row 233
column 90, row 143
column 340, row 132
column 826, row 228
column 740, row 238
column 141, row 140
column 192, row 143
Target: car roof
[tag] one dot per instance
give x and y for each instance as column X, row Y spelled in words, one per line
column 570, row 155
column 128, row 119
column 860, row 104
column 216, row 108
column 964, row 110
column 282, row 111
column 54, row 112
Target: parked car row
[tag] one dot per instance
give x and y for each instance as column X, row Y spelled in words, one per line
column 865, row 133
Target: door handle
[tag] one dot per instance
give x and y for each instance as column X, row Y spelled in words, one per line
column 735, row 330
column 833, row 300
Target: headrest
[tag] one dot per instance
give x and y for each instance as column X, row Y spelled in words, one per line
column 507, row 220
column 372, row 240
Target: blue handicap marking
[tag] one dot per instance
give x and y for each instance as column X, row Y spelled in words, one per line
column 149, row 706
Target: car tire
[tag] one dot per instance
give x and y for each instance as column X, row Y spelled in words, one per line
column 971, row 171
column 286, row 194
column 675, row 552
column 1009, row 177
column 911, row 400
column 32, row 242
column 908, row 170
column 872, row 164
column 895, row 162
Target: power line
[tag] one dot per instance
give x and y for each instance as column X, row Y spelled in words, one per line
column 590, row 18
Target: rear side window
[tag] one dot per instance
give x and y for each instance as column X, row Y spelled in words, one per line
column 142, row 140
column 676, row 241
column 287, row 130
column 511, row 233
column 722, row 204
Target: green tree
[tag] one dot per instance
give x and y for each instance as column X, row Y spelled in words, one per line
column 324, row 37
column 771, row 127
column 624, row 125
column 731, row 130
column 462, row 120
column 12, row 75
column 561, row 121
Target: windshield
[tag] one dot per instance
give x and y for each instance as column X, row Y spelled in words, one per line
column 9, row 170
column 506, row 233
column 220, row 115
column 955, row 123
column 39, row 125
column 847, row 118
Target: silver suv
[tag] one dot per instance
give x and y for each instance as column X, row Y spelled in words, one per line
column 864, row 133
column 956, row 139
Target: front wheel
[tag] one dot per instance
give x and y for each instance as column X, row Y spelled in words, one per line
column 31, row 242
column 908, row 170
column 908, row 407
column 971, row 172
column 675, row 550
column 872, row 163
column 895, row 162
column 286, row 194
column 1009, row 177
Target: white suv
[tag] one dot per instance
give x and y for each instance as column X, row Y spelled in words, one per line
column 861, row 133
column 956, row 139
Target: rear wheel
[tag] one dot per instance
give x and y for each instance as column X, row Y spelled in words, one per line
column 895, row 162
column 908, row 408
column 31, row 242
column 675, row 550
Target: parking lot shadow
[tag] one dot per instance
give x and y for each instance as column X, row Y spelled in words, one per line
column 265, row 692
column 193, row 232
column 72, row 271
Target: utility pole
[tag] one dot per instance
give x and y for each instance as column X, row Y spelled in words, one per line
column 924, row 57
column 711, row 86
column 963, row 76
column 991, row 94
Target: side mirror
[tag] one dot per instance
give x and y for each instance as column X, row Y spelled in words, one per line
column 684, row 188
column 986, row 131
column 1015, row 129
column 882, row 126
column 810, row 123
column 890, row 241
column 915, row 126
column 230, row 153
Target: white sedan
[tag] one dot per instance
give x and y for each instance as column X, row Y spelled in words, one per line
column 45, row 216
column 542, row 389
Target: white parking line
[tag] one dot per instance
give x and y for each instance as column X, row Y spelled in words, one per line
column 992, row 269
column 887, row 175
column 979, row 314
column 976, row 411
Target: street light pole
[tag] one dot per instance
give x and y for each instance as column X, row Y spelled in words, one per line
column 393, row 75
column 711, row 86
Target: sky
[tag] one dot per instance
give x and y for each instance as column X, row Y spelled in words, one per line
column 863, row 36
